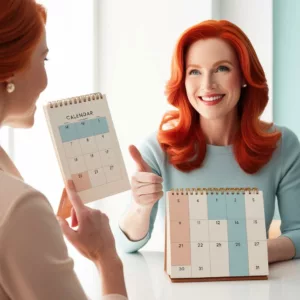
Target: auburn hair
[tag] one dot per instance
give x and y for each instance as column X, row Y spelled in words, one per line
column 184, row 142
column 22, row 23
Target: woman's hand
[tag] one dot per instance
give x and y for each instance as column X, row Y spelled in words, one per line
column 93, row 237
column 145, row 185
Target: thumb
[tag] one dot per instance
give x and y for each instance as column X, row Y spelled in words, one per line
column 67, row 231
column 142, row 166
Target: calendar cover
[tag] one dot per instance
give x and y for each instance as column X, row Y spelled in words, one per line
column 87, row 147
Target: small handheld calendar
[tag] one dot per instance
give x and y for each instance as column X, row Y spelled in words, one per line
column 215, row 234
column 86, row 147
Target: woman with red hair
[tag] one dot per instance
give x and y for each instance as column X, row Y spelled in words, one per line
column 215, row 138
column 34, row 262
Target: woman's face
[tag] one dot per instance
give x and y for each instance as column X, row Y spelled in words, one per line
column 213, row 78
column 19, row 107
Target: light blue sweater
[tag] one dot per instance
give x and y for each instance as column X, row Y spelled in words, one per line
column 279, row 178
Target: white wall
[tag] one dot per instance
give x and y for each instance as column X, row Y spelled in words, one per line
column 136, row 40
column 70, row 72
column 255, row 18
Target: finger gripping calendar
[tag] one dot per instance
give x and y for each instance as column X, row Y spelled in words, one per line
column 86, row 147
column 215, row 234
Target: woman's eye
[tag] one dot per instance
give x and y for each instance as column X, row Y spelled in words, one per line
column 223, row 68
column 194, row 72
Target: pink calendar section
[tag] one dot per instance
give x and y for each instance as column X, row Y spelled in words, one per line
column 217, row 234
column 90, row 153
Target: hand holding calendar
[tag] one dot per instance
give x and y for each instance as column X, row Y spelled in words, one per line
column 87, row 148
column 146, row 186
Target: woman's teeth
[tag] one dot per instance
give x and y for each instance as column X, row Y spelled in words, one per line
column 211, row 98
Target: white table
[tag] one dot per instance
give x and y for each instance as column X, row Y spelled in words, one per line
column 146, row 280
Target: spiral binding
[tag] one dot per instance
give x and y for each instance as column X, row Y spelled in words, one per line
column 75, row 100
column 207, row 191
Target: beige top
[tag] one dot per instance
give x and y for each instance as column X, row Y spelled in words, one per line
column 34, row 261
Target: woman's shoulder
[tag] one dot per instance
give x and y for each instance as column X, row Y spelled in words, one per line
column 287, row 135
column 16, row 195
column 150, row 143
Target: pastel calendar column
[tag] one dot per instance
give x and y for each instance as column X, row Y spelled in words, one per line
column 180, row 235
column 90, row 152
column 106, row 149
column 71, row 142
column 199, row 234
column 237, row 234
column 218, row 233
column 256, row 231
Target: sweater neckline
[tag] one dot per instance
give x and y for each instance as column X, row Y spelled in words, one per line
column 213, row 149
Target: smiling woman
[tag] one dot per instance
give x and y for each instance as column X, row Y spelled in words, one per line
column 215, row 138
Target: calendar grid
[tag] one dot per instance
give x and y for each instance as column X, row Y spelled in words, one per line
column 232, row 241
column 93, row 164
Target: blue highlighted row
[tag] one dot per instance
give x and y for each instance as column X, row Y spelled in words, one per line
column 224, row 207
column 83, row 129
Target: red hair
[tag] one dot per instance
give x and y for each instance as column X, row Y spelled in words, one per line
column 184, row 142
column 22, row 23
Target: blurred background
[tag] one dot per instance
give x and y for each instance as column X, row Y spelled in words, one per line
column 123, row 49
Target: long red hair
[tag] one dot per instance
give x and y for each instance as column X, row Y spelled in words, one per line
column 184, row 141
column 22, row 23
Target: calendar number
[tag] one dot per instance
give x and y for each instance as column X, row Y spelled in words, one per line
column 178, row 200
column 79, row 175
column 180, row 245
column 200, row 268
column 181, row 268
column 219, row 245
column 256, row 244
column 234, row 199
column 236, row 222
column 200, row 245
column 96, row 171
column 255, row 222
column 218, row 222
column 198, row 222
column 257, row 267
column 253, row 200
column 238, row 244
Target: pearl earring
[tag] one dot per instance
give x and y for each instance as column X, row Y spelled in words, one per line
column 244, row 85
column 10, row 87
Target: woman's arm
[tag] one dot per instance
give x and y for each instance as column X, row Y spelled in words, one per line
column 136, row 225
column 280, row 249
column 34, row 258
column 287, row 246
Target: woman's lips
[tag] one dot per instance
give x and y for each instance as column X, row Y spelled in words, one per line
column 211, row 100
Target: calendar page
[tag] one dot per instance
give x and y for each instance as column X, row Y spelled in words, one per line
column 86, row 146
column 216, row 234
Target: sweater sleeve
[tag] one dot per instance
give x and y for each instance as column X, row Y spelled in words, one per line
column 288, row 191
column 34, row 262
column 151, row 154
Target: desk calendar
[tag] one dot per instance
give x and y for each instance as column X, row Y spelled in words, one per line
column 87, row 147
column 215, row 234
